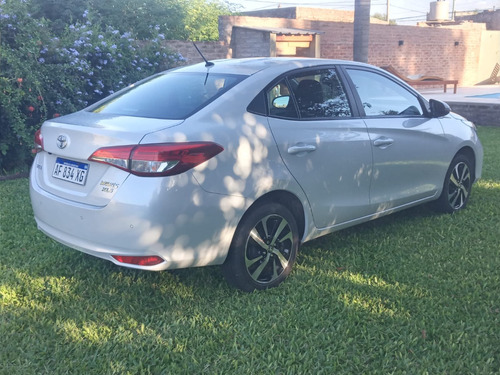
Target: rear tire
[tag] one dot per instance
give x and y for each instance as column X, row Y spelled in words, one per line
column 457, row 185
column 263, row 249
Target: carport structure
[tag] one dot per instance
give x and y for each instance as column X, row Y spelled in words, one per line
column 275, row 42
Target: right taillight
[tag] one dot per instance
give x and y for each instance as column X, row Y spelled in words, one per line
column 38, row 142
column 159, row 159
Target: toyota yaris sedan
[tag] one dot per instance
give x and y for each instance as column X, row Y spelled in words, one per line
column 237, row 162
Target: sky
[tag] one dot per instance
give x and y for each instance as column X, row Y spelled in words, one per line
column 403, row 11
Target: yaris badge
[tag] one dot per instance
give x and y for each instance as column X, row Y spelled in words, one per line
column 62, row 141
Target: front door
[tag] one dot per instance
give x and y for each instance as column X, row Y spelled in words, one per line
column 407, row 145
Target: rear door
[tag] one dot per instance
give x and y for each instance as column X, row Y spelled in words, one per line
column 407, row 144
column 323, row 145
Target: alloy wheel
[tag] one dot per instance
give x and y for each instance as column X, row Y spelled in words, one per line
column 268, row 249
column 459, row 185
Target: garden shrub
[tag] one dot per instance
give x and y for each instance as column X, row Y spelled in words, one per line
column 44, row 76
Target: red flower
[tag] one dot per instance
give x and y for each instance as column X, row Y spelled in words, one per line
column 56, row 115
column 31, row 108
column 20, row 80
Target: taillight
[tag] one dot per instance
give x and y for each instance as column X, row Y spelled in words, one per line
column 147, row 260
column 38, row 142
column 159, row 159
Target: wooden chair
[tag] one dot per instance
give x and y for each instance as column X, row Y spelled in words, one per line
column 493, row 78
column 424, row 80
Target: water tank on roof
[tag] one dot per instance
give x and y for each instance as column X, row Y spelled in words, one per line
column 439, row 11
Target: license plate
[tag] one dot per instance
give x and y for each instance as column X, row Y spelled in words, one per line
column 71, row 171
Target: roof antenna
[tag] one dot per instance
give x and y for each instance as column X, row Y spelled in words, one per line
column 207, row 63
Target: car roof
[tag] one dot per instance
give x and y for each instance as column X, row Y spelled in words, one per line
column 249, row 66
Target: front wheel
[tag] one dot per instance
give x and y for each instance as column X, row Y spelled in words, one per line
column 263, row 250
column 457, row 185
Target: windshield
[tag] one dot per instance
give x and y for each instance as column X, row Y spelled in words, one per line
column 172, row 95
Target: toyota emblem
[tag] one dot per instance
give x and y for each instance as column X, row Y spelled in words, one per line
column 62, row 141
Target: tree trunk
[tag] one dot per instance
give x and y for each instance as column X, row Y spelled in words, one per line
column 361, row 30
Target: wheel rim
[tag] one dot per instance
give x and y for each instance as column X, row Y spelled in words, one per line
column 268, row 249
column 459, row 186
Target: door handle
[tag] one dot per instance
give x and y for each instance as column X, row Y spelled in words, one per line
column 383, row 142
column 301, row 148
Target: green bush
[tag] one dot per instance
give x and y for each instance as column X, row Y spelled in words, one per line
column 43, row 75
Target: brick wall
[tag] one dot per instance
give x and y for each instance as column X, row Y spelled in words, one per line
column 451, row 52
column 448, row 52
column 479, row 113
column 444, row 52
column 250, row 43
column 305, row 13
column 489, row 17
column 211, row 50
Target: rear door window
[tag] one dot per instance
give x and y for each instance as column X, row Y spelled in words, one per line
column 312, row 94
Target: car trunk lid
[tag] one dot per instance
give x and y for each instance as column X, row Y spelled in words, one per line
column 63, row 169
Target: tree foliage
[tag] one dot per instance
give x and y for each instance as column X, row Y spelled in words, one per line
column 202, row 16
column 59, row 56
column 177, row 19
column 48, row 68
column 383, row 17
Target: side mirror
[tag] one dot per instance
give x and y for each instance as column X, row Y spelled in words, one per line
column 439, row 108
column 281, row 101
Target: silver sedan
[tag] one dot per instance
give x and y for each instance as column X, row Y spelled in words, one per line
column 238, row 162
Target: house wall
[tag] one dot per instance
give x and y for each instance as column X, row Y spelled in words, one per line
column 211, row 50
column 250, row 43
column 450, row 53
column 463, row 52
column 425, row 50
column 489, row 54
column 305, row 13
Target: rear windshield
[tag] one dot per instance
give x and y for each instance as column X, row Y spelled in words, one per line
column 172, row 95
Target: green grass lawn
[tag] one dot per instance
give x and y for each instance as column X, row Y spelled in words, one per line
column 412, row 293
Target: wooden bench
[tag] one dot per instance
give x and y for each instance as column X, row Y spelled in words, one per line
column 445, row 83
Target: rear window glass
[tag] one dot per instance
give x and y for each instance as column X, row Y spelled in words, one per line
column 172, row 95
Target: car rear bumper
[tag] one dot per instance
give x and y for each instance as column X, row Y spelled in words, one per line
column 172, row 217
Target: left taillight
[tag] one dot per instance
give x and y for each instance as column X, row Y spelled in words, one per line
column 159, row 159
column 38, row 142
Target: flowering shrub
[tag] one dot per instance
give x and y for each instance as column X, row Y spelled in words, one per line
column 44, row 76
